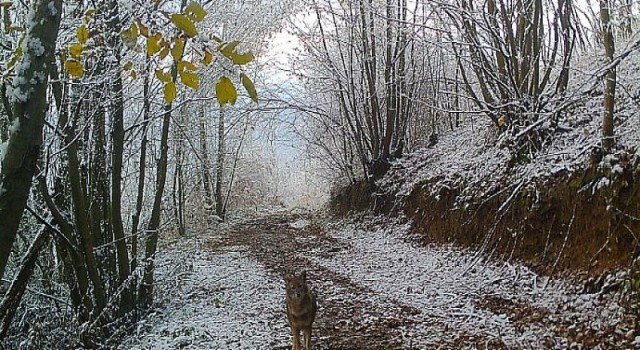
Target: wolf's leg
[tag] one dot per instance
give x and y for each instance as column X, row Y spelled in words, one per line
column 307, row 338
column 296, row 338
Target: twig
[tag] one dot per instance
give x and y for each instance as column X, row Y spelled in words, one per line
column 546, row 244
column 48, row 296
column 566, row 238
column 53, row 229
column 632, row 234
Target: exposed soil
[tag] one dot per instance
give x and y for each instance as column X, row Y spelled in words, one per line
column 565, row 223
column 351, row 315
column 281, row 247
column 554, row 225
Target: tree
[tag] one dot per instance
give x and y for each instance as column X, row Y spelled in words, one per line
column 220, row 163
column 608, row 139
column 512, row 51
column 28, row 104
column 358, row 70
column 96, row 131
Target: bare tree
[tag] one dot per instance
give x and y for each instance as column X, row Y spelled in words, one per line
column 103, row 127
column 220, row 164
column 524, row 50
column 608, row 139
column 364, row 64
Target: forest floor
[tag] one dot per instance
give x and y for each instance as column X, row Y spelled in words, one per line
column 377, row 288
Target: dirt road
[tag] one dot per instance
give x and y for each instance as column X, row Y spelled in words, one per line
column 377, row 289
column 351, row 315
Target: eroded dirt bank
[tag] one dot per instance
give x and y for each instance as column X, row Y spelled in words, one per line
column 554, row 224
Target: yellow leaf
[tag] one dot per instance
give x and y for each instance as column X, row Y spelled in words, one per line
column 133, row 29
column 16, row 56
column 128, row 65
column 225, row 91
column 248, row 85
column 186, row 65
column 82, row 33
column 169, row 92
column 14, row 59
column 88, row 15
column 75, row 50
column 208, row 58
column 74, row 68
column 165, row 51
column 190, row 79
column 228, row 49
column 242, row 59
column 502, row 121
column 162, row 76
column 134, row 75
column 153, row 44
column 184, row 24
column 12, row 29
column 178, row 49
column 130, row 36
column 195, row 11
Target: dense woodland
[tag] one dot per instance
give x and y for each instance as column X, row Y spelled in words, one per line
column 123, row 121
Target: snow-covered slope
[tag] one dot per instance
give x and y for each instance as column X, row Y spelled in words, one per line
column 475, row 156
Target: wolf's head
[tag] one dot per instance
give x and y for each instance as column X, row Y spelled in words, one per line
column 296, row 285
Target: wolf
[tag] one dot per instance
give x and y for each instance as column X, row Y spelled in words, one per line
column 301, row 308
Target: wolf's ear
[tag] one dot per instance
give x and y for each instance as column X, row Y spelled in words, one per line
column 303, row 275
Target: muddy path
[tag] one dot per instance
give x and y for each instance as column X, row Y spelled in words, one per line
column 356, row 314
column 349, row 316
column 377, row 288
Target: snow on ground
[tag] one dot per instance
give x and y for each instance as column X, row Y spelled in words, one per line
column 225, row 299
column 448, row 284
column 212, row 300
column 474, row 156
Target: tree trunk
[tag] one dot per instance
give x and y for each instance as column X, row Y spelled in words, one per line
column 29, row 105
column 81, row 216
column 146, row 114
column 565, row 8
column 98, row 189
column 206, row 166
column 608, row 139
column 627, row 18
column 74, row 270
column 178, row 185
column 220, row 165
column 12, row 298
column 117, row 151
column 146, row 287
column 389, row 82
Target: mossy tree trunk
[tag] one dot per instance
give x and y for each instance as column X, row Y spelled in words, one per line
column 28, row 92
